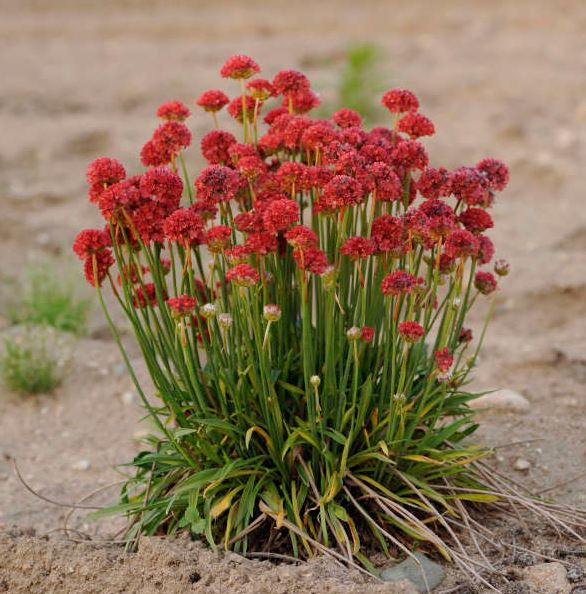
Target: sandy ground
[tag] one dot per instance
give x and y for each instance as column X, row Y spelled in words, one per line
column 506, row 79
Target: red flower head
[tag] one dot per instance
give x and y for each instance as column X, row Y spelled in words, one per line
column 261, row 243
column 495, row 172
column 302, row 101
column 465, row 336
column 357, row 247
column 96, row 267
column 367, row 334
column 388, row 234
column 347, row 118
column 273, row 114
column 485, row 282
column 416, row 125
column 502, row 267
column 281, row 215
column 290, row 81
column 244, row 275
column 292, row 176
column 235, row 108
column 400, row 101
column 434, row 183
column 462, row 244
column 339, row 192
column 388, row 186
column 317, row 137
column 218, row 238
column 249, row 222
column 251, row 167
column 260, row 89
column 104, row 172
column 416, row 223
column 185, row 227
column 173, row 110
column 470, row 186
column 167, row 141
column 311, row 259
column 205, row 209
column 400, row 282
column 91, row 241
column 213, row 100
column 164, row 186
column 293, row 128
column 443, row 359
column 240, row 150
column 301, row 237
column 410, row 154
column 215, row 145
column 476, row 220
column 145, row 297
column 181, row 306
column 410, row 331
column 217, row 183
column 239, row 66
column 237, row 255
column 486, row 249
column 124, row 194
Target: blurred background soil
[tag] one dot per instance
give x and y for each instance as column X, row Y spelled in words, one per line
column 499, row 78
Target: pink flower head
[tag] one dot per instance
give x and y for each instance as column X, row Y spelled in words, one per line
column 311, row 260
column 173, row 110
column 181, row 306
column 217, row 183
column 215, row 145
column 185, row 227
column 462, row 244
column 104, row 171
column 213, row 100
column 485, row 250
column 301, row 237
column 400, row 282
column 218, row 238
column 476, row 220
column 387, row 184
column 239, row 66
column 400, row 101
column 91, row 241
column 96, row 267
column 410, row 331
column 290, row 81
column 347, row 118
column 416, row 125
column 235, row 108
column 495, row 172
column 485, row 282
column 357, row 248
column 470, row 186
column 281, row 215
column 260, row 89
column 244, row 275
column 444, row 359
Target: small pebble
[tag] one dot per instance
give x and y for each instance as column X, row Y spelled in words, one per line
column 81, row 465
column 502, row 400
column 522, row 465
column 414, row 572
column 575, row 574
column 128, row 397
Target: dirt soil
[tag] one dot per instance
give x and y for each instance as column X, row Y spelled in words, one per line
column 80, row 79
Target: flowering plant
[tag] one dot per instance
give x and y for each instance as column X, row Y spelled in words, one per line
column 301, row 308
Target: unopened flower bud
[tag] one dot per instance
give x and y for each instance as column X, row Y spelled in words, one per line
column 502, row 267
column 272, row 312
column 208, row 310
column 354, row 333
column 329, row 278
column 315, row 381
column 225, row 320
column 457, row 302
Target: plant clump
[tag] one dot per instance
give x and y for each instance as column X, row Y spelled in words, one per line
column 301, row 305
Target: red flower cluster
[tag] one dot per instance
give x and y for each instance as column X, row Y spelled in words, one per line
column 168, row 140
column 400, row 282
column 173, row 110
column 239, row 66
column 181, row 306
column 410, row 331
column 213, row 100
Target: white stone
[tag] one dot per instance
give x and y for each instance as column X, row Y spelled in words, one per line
column 128, row 397
column 81, row 465
column 502, row 400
